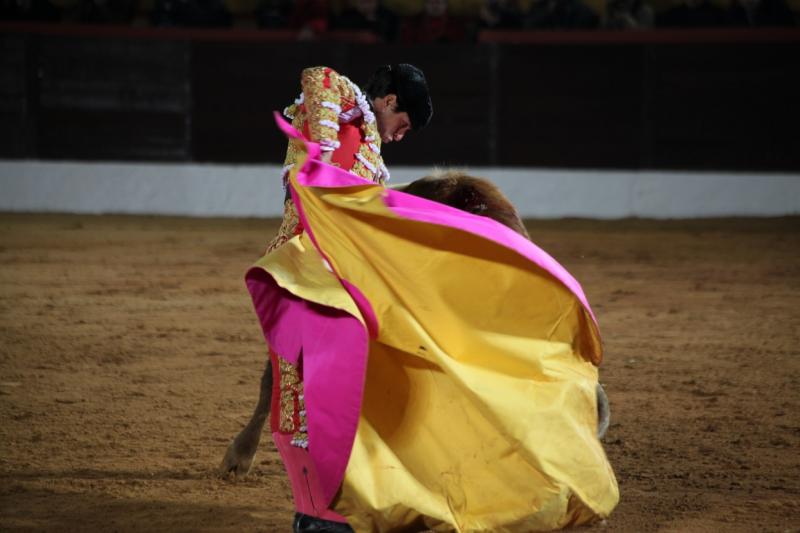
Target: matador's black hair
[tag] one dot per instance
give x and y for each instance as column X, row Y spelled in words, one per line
column 409, row 84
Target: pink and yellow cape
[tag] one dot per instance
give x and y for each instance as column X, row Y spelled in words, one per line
column 449, row 363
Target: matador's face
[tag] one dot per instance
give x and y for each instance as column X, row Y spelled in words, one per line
column 392, row 124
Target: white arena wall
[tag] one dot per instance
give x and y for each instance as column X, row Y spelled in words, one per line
column 206, row 190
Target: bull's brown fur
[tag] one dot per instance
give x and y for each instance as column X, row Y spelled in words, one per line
column 474, row 195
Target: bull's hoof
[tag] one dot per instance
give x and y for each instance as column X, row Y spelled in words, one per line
column 238, row 459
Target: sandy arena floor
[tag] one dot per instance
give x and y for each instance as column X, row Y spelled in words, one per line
column 129, row 356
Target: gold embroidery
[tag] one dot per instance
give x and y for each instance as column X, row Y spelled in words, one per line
column 300, row 437
column 373, row 170
column 290, row 226
column 291, row 387
column 371, row 132
column 292, row 404
column 321, row 119
column 295, row 147
column 342, row 94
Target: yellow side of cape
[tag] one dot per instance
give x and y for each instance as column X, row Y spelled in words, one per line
column 297, row 267
column 479, row 412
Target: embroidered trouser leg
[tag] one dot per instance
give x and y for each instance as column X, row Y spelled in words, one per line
column 290, row 433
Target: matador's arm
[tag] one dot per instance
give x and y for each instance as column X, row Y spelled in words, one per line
column 323, row 99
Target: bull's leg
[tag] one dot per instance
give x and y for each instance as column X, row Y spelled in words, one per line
column 239, row 457
column 603, row 412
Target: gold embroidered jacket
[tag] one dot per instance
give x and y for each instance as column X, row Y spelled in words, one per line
column 332, row 111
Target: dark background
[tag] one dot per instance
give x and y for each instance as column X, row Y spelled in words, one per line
column 650, row 103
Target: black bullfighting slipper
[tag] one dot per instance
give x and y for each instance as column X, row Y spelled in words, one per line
column 304, row 523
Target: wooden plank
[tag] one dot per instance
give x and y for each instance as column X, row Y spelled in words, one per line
column 237, row 87
column 732, row 107
column 672, row 104
column 112, row 135
column 573, row 107
column 14, row 105
column 116, row 98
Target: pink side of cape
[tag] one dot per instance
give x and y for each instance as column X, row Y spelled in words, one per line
column 333, row 343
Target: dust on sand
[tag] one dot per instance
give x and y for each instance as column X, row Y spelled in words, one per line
column 130, row 355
